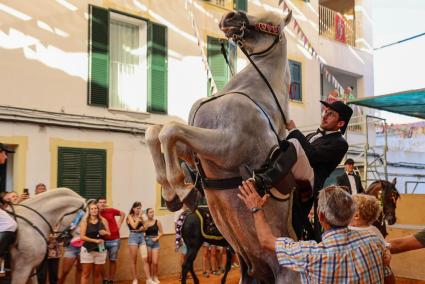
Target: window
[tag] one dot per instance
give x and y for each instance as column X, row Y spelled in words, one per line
column 127, row 62
column 82, row 170
column 240, row 5
column 295, row 92
column 221, row 72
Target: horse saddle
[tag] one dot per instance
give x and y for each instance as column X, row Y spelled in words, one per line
column 208, row 228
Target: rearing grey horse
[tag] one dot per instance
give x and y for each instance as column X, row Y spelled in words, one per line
column 236, row 127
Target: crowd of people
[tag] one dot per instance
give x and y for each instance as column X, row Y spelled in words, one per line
column 98, row 241
column 347, row 248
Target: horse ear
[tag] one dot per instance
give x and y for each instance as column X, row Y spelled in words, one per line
column 287, row 19
column 394, row 181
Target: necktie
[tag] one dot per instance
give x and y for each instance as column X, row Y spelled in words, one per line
column 350, row 174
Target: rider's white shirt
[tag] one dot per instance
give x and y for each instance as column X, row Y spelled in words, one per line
column 7, row 224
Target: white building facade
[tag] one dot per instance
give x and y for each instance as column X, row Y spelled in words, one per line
column 82, row 80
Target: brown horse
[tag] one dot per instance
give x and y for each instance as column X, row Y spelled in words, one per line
column 387, row 194
column 237, row 127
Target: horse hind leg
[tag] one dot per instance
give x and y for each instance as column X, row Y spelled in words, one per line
column 169, row 195
column 188, row 265
column 228, row 264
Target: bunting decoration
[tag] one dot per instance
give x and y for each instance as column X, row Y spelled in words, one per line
column 201, row 45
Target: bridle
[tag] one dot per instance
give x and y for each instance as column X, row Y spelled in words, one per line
column 62, row 234
column 239, row 39
column 382, row 195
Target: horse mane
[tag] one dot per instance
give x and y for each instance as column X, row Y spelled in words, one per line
column 53, row 193
column 269, row 17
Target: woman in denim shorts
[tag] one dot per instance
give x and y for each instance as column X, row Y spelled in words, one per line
column 153, row 233
column 136, row 241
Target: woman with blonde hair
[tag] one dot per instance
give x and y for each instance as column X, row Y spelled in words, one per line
column 367, row 212
column 93, row 254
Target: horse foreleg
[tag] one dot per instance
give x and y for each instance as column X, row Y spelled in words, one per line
column 168, row 193
column 198, row 140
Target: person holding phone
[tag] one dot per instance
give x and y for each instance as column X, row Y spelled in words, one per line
column 93, row 229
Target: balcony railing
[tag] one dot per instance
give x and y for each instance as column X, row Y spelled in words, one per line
column 335, row 26
column 227, row 4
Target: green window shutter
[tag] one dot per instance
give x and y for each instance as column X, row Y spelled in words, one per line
column 158, row 68
column 69, row 169
column 82, row 170
column 296, row 80
column 240, row 5
column 98, row 80
column 218, row 65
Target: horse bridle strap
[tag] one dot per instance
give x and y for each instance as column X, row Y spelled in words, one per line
column 15, row 215
column 29, row 223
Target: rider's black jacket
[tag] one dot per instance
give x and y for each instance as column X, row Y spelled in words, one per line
column 324, row 154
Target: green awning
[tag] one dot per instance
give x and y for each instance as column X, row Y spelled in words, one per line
column 411, row 103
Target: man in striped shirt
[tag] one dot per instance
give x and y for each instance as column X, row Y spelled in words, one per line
column 343, row 256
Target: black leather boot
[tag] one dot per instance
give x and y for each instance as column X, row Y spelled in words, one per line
column 278, row 167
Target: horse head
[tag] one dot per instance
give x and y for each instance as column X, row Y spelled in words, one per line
column 256, row 34
column 388, row 194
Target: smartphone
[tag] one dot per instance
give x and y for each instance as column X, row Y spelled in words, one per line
column 26, row 190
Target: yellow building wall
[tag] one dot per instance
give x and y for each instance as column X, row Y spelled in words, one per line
column 409, row 213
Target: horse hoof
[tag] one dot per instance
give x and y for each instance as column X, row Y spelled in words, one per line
column 174, row 204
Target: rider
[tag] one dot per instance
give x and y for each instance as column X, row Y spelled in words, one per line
column 318, row 154
column 8, row 226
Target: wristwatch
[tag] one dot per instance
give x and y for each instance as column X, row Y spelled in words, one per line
column 255, row 209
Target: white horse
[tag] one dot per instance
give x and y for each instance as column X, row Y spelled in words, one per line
column 235, row 128
column 42, row 213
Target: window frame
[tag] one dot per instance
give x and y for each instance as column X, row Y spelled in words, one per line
column 134, row 20
column 83, row 152
column 99, row 57
column 299, row 63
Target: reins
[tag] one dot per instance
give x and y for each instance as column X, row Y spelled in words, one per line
column 265, row 28
column 51, row 230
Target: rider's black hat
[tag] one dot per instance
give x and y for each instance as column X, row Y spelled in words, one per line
column 349, row 161
column 345, row 112
column 4, row 148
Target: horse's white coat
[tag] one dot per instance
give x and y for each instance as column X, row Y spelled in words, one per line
column 30, row 248
column 228, row 132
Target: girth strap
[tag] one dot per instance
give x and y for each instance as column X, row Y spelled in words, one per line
column 233, row 182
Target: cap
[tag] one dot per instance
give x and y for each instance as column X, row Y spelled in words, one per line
column 4, row 148
column 345, row 112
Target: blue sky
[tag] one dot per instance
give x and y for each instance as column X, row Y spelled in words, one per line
column 399, row 67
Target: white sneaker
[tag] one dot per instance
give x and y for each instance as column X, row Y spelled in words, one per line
column 156, row 280
column 150, row 281
column 135, row 281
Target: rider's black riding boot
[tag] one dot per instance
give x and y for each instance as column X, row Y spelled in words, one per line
column 278, row 168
